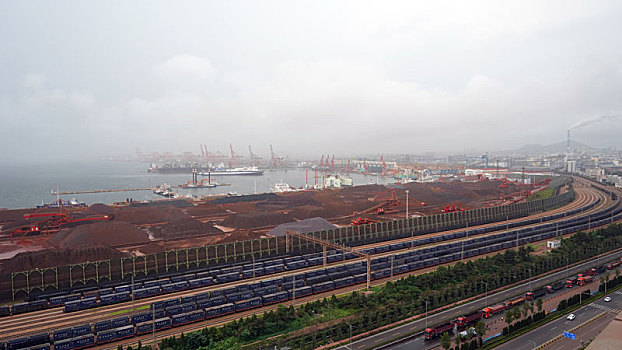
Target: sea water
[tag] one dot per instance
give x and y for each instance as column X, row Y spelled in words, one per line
column 27, row 185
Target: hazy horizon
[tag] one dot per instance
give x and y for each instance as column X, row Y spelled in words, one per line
column 91, row 79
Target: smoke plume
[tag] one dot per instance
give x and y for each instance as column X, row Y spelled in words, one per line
column 593, row 120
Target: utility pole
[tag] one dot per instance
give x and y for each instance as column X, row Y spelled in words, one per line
column 406, row 203
column 426, row 313
column 153, row 327
column 293, row 289
column 132, row 288
column 350, row 339
column 467, row 237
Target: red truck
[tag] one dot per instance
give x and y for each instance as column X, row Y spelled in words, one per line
column 584, row 280
column 492, row 310
column 464, row 321
column 613, row 265
column 535, row 294
column 590, row 272
column 514, row 302
column 571, row 282
column 438, row 330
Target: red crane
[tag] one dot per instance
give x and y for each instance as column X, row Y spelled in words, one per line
column 52, row 222
column 234, row 157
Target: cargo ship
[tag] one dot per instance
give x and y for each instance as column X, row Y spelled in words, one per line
column 176, row 168
column 253, row 171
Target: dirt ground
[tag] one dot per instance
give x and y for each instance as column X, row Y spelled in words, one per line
column 145, row 230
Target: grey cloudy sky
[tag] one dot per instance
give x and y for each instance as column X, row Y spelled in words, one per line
column 310, row 77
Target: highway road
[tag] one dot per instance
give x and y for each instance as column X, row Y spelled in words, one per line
column 553, row 329
column 492, row 299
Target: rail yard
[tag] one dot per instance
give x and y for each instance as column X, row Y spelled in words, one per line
column 212, row 296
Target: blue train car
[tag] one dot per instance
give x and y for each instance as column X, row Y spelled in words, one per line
column 38, row 339
column 82, row 342
column 299, row 292
column 108, row 299
column 239, row 296
column 323, row 287
column 123, row 332
column 187, row 307
column 62, row 334
column 106, row 336
column 173, row 310
column 228, row 277
column 81, row 330
column 247, row 304
column 344, row 282
column 289, row 285
column 220, row 310
column 102, row 326
column 66, row 344
column 18, row 343
column 160, row 324
column 45, row 346
column 274, row 298
column 120, row 322
column 121, row 289
column 5, row 310
column 186, row 318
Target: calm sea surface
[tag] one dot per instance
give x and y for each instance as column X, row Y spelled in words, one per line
column 24, row 186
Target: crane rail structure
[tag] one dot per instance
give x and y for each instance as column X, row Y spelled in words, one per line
column 325, row 244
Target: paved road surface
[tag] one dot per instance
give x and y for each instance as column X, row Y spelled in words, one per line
column 553, row 329
column 493, row 299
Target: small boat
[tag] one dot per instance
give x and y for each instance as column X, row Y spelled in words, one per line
column 165, row 190
column 282, row 187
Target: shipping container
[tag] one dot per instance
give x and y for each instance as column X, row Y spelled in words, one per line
column 247, row 304
column 119, row 322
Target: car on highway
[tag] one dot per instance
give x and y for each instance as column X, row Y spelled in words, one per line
column 570, row 317
column 607, row 299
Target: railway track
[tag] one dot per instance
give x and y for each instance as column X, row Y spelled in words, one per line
column 45, row 320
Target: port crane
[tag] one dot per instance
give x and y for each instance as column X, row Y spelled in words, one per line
column 254, row 158
column 235, row 158
column 277, row 161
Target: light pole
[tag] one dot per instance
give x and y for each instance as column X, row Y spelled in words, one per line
column 426, row 313
column 467, row 237
column 567, row 267
column 253, row 256
column 406, row 204
column 153, row 327
column 293, row 289
column 530, row 279
column 486, row 295
column 132, row 288
column 392, row 260
column 350, row 340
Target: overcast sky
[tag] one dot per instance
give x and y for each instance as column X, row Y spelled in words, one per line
column 83, row 78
